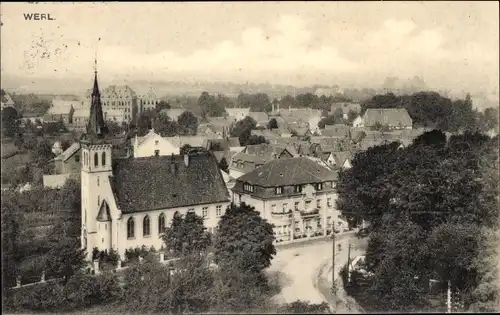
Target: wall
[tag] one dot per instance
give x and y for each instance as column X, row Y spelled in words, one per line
column 152, row 143
column 210, row 222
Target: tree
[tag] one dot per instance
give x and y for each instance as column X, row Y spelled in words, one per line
column 113, row 127
column 330, row 120
column 186, row 235
column 243, row 129
column 144, row 123
column 185, row 148
column 66, row 258
column 10, row 241
column 244, row 239
column 351, row 115
column 223, row 165
column 212, row 107
column 10, row 122
column 253, row 139
column 272, row 124
column 188, row 123
column 258, row 102
column 165, row 126
column 161, row 106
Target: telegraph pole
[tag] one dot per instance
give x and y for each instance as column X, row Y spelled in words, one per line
column 349, row 263
column 448, row 300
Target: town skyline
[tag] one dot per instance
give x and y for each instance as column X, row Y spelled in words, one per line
column 327, row 43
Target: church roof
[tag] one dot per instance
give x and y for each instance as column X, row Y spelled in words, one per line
column 163, row 182
column 104, row 215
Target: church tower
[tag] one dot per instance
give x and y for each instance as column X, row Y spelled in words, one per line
column 96, row 169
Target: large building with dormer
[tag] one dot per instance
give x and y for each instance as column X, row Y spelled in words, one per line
column 296, row 194
column 128, row 202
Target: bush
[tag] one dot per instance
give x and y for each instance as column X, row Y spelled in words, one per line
column 132, row 254
column 78, row 293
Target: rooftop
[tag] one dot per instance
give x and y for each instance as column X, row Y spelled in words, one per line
column 162, row 182
column 288, row 172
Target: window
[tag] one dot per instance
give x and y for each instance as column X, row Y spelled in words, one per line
column 319, row 186
column 161, row 223
column 97, row 181
column 204, row 212
column 96, row 159
column 98, row 201
column 190, row 210
column 297, row 203
column 146, row 231
column 307, row 204
column 318, row 203
column 279, row 190
column 248, row 187
column 130, row 228
column 218, row 211
column 298, row 188
column 103, row 158
column 285, row 206
column 156, row 142
column 106, row 227
column 329, row 202
column 157, row 152
column 77, row 158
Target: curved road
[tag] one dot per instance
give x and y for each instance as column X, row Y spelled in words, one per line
column 298, row 266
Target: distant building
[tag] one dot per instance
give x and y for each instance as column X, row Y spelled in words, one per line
column 147, row 100
column 63, row 110
column 345, row 107
column 6, row 100
column 261, row 118
column 118, row 97
column 237, row 113
column 297, row 195
column 392, row 118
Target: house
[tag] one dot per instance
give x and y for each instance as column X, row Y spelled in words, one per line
column 147, row 100
column 260, row 117
column 345, row 107
column 328, row 91
column 173, row 113
column 69, row 160
column 62, row 110
column 254, row 156
column 336, row 131
column 237, row 114
column 297, row 195
column 392, row 118
column 341, row 159
column 129, row 202
column 269, row 135
column 153, row 144
column 6, row 100
column 302, row 117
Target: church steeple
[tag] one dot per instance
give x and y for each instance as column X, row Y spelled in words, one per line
column 96, row 127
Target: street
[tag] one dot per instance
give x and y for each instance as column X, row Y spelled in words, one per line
column 298, row 267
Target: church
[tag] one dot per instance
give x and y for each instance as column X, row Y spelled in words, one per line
column 128, row 202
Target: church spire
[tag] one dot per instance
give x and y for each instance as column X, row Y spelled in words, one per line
column 96, row 127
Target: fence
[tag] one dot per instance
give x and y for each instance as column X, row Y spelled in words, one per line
column 94, row 270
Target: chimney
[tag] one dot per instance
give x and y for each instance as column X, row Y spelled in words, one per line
column 186, row 159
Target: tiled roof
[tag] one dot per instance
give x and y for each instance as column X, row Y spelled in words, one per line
column 265, row 150
column 268, row 134
column 259, row 117
column 180, row 141
column 161, row 182
column 75, row 147
column 104, row 215
column 338, row 130
column 341, row 157
column 234, row 142
column 118, row 92
column 222, row 144
column 287, row 172
column 173, row 113
column 387, row 117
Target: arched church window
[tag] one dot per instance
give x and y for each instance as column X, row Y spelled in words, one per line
column 146, row 228
column 103, row 159
column 130, row 228
column 96, row 159
column 98, row 181
column 161, row 223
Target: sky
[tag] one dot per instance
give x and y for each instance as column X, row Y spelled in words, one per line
column 354, row 44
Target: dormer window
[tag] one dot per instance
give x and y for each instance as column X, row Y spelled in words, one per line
column 248, row 187
column 319, row 186
column 279, row 190
column 298, row 188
